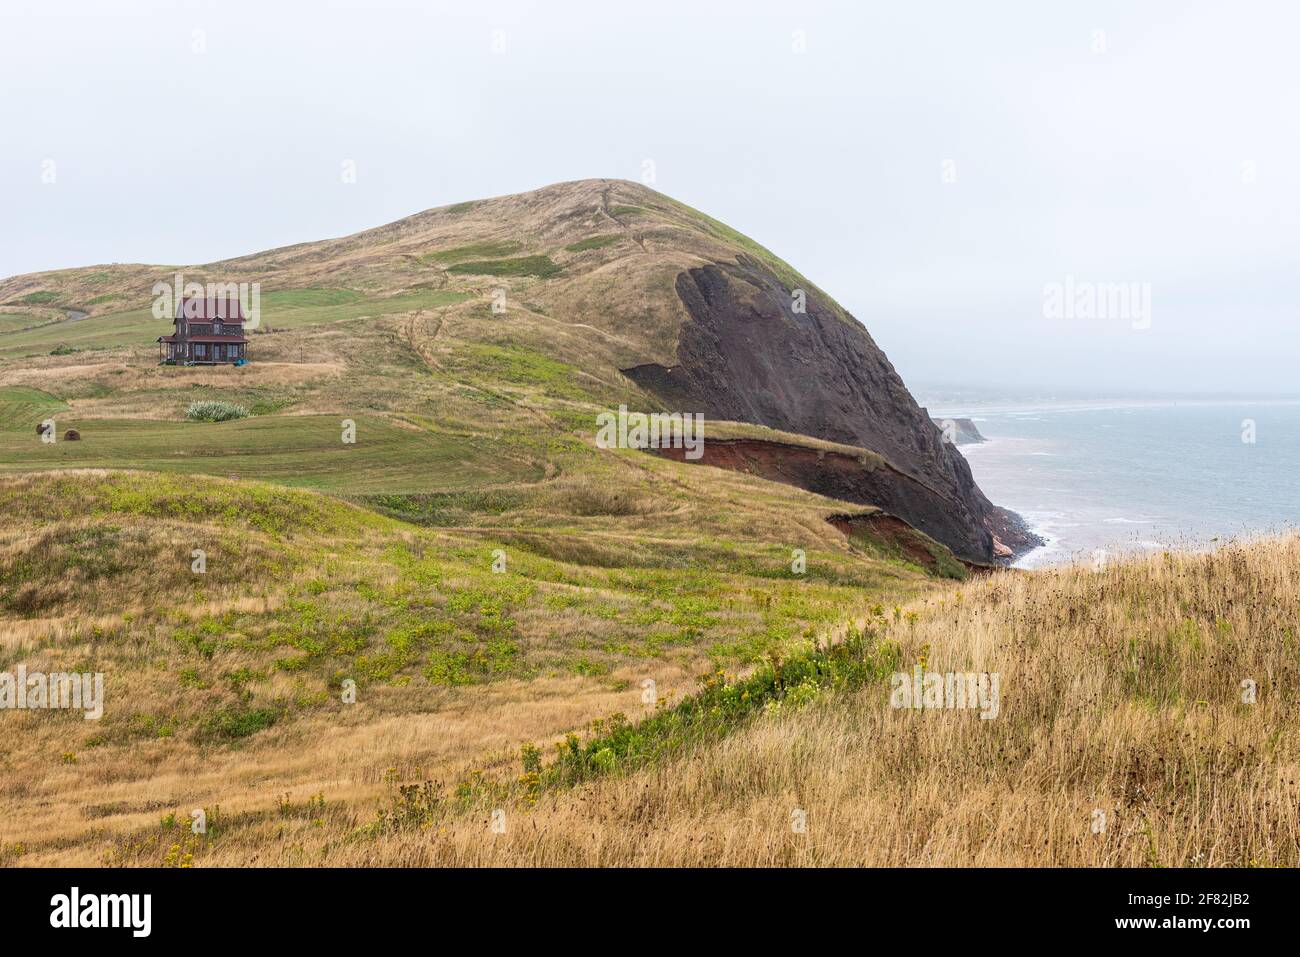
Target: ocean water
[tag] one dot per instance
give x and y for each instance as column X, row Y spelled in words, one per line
column 1131, row 476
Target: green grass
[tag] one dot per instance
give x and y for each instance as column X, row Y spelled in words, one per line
column 295, row 308
column 14, row 322
column 946, row 564
column 385, row 603
column 39, row 298
column 287, row 299
column 943, row 564
column 137, row 495
column 281, row 309
column 594, row 242
column 616, row 746
column 517, row 365
column 22, row 408
column 721, row 707
column 302, row 451
column 234, row 722
column 540, row 266
column 446, row 508
column 472, row 251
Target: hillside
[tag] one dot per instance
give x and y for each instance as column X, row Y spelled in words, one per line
column 1145, row 720
column 611, row 292
column 1124, row 733
column 473, row 565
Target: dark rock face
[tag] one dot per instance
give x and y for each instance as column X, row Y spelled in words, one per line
column 748, row 356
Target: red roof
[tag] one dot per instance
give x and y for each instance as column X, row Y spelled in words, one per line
column 225, row 308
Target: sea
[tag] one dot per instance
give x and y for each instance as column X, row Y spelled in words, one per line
column 1131, row 475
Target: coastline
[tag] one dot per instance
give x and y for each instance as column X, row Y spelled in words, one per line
column 1028, row 533
column 1121, row 479
column 1030, row 537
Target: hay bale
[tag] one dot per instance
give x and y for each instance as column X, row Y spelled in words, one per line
column 72, row 435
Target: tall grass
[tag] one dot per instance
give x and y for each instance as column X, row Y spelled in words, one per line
column 1147, row 720
column 209, row 410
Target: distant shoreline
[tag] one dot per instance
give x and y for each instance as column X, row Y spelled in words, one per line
column 1134, row 477
column 972, row 410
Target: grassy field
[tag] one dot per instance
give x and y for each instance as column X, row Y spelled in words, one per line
column 24, row 407
column 465, row 641
column 483, row 573
column 1146, row 720
column 522, row 692
column 281, row 310
column 540, row 266
column 501, row 595
column 301, row 451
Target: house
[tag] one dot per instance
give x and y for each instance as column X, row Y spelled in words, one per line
column 209, row 331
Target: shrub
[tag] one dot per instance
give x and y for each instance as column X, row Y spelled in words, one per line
column 594, row 242
column 211, row 411
column 722, row 706
column 232, row 723
column 540, row 266
column 473, row 251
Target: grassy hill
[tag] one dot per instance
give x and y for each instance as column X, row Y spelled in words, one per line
column 223, row 688
column 595, row 249
column 1126, row 737
column 392, row 328
column 490, row 582
column 503, row 319
column 521, row 693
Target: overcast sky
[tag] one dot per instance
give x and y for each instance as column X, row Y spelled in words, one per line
column 934, row 166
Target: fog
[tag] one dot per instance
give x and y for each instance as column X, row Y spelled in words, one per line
column 939, row 168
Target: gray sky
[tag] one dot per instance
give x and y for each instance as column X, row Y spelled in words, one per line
column 1164, row 150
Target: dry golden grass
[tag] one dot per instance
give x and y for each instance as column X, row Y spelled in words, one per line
column 1120, row 689
column 96, row 572
column 1121, row 693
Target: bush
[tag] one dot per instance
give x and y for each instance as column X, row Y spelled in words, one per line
column 232, row 723
column 540, row 266
column 209, row 411
column 722, row 706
